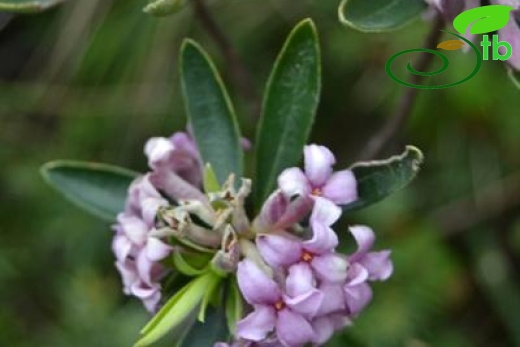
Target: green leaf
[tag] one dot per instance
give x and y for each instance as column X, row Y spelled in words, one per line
column 234, row 305
column 378, row 179
column 184, row 267
column 209, row 180
column 379, row 15
column 177, row 309
column 161, row 8
column 290, row 102
column 100, row 189
column 27, row 6
column 210, row 112
column 207, row 334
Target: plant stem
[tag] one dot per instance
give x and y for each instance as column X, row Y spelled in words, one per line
column 239, row 72
column 396, row 122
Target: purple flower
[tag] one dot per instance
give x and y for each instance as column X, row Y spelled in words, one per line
column 280, row 212
column 364, row 266
column 318, row 178
column 316, row 253
column 284, row 313
column 137, row 253
column 176, row 154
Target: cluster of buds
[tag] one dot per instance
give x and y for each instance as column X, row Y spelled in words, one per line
column 300, row 290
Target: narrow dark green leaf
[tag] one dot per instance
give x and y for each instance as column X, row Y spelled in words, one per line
column 27, row 6
column 213, row 330
column 100, row 189
column 210, row 112
column 379, row 15
column 290, row 102
column 178, row 309
column 234, row 305
column 379, row 179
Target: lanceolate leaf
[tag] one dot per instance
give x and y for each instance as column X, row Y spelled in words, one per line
column 178, row 309
column 27, row 6
column 378, row 179
column 290, row 103
column 100, row 189
column 213, row 330
column 210, row 112
column 379, row 15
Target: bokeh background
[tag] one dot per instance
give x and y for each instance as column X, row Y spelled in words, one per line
column 92, row 79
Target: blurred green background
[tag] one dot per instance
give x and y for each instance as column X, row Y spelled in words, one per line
column 92, row 79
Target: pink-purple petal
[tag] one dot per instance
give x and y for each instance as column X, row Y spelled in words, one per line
column 357, row 274
column 333, row 300
column 378, row 265
column 257, row 324
column 341, row 188
column 318, row 164
column 293, row 329
column 294, row 182
column 357, row 297
column 325, row 212
column 365, row 238
column 323, row 330
column 278, row 250
column 331, row 268
column 323, row 240
column 306, row 304
column 255, row 285
column 157, row 250
column 300, row 280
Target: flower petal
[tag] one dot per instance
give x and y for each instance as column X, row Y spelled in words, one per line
column 176, row 187
column 306, row 304
column 357, row 297
column 341, row 187
column 318, row 164
column 324, row 239
column 149, row 207
column 378, row 265
column 255, row 285
column 325, row 212
column 296, row 210
column 357, row 274
column 365, row 238
column 323, row 330
column 156, row 249
column 134, row 228
column 121, row 246
column 300, row 280
column 278, row 250
column 272, row 210
column 293, row 182
column 333, row 299
column 257, row 324
column 158, row 150
column 331, row 268
column 292, row 329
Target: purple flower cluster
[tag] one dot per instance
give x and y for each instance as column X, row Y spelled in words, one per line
column 138, row 251
column 306, row 290
column 299, row 288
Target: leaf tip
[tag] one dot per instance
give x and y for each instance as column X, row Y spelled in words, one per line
column 416, row 156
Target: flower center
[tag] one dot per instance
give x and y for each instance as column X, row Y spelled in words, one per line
column 307, row 256
column 279, row 305
column 316, row 192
